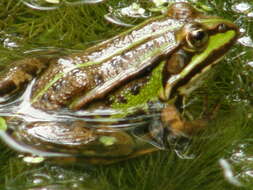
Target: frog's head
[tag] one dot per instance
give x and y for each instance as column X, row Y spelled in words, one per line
column 203, row 41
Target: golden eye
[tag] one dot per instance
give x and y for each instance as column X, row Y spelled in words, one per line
column 196, row 39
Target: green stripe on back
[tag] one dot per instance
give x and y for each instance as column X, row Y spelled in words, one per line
column 89, row 63
column 49, row 84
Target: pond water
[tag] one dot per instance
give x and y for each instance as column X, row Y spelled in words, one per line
column 220, row 158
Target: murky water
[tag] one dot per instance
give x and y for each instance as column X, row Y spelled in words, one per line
column 224, row 154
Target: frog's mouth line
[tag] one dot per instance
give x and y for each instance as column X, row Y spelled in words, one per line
column 201, row 66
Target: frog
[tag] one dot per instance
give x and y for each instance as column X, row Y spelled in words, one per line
column 118, row 99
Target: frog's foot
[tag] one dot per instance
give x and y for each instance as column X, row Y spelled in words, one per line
column 177, row 125
column 15, row 75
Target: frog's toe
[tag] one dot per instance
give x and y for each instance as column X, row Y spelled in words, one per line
column 17, row 74
column 12, row 82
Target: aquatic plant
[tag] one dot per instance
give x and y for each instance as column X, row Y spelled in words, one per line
column 25, row 31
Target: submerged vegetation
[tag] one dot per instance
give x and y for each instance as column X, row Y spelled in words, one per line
column 201, row 165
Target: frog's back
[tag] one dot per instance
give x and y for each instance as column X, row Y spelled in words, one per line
column 80, row 78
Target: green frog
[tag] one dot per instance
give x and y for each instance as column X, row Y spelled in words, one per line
column 118, row 99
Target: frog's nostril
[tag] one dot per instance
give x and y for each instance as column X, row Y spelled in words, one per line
column 222, row 27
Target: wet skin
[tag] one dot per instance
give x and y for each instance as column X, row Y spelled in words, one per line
column 125, row 92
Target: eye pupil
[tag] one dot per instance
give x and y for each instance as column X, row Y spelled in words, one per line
column 198, row 35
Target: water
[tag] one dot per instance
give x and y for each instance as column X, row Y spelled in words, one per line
column 71, row 131
column 54, row 4
column 50, row 178
column 224, row 154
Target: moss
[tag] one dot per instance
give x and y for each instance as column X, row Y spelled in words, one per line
column 229, row 86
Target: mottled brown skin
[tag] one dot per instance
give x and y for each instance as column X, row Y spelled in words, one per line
column 81, row 81
column 91, row 87
column 13, row 77
column 88, row 83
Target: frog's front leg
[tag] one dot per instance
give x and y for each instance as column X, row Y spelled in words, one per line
column 171, row 117
column 17, row 74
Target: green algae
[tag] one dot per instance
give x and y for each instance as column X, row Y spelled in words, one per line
column 230, row 84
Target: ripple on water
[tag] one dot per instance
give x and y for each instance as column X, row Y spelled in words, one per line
column 250, row 63
column 241, row 161
column 51, row 178
column 241, row 7
column 54, row 4
column 118, row 15
column 246, row 41
column 9, row 41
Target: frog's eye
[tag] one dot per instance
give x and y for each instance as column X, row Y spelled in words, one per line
column 196, row 39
